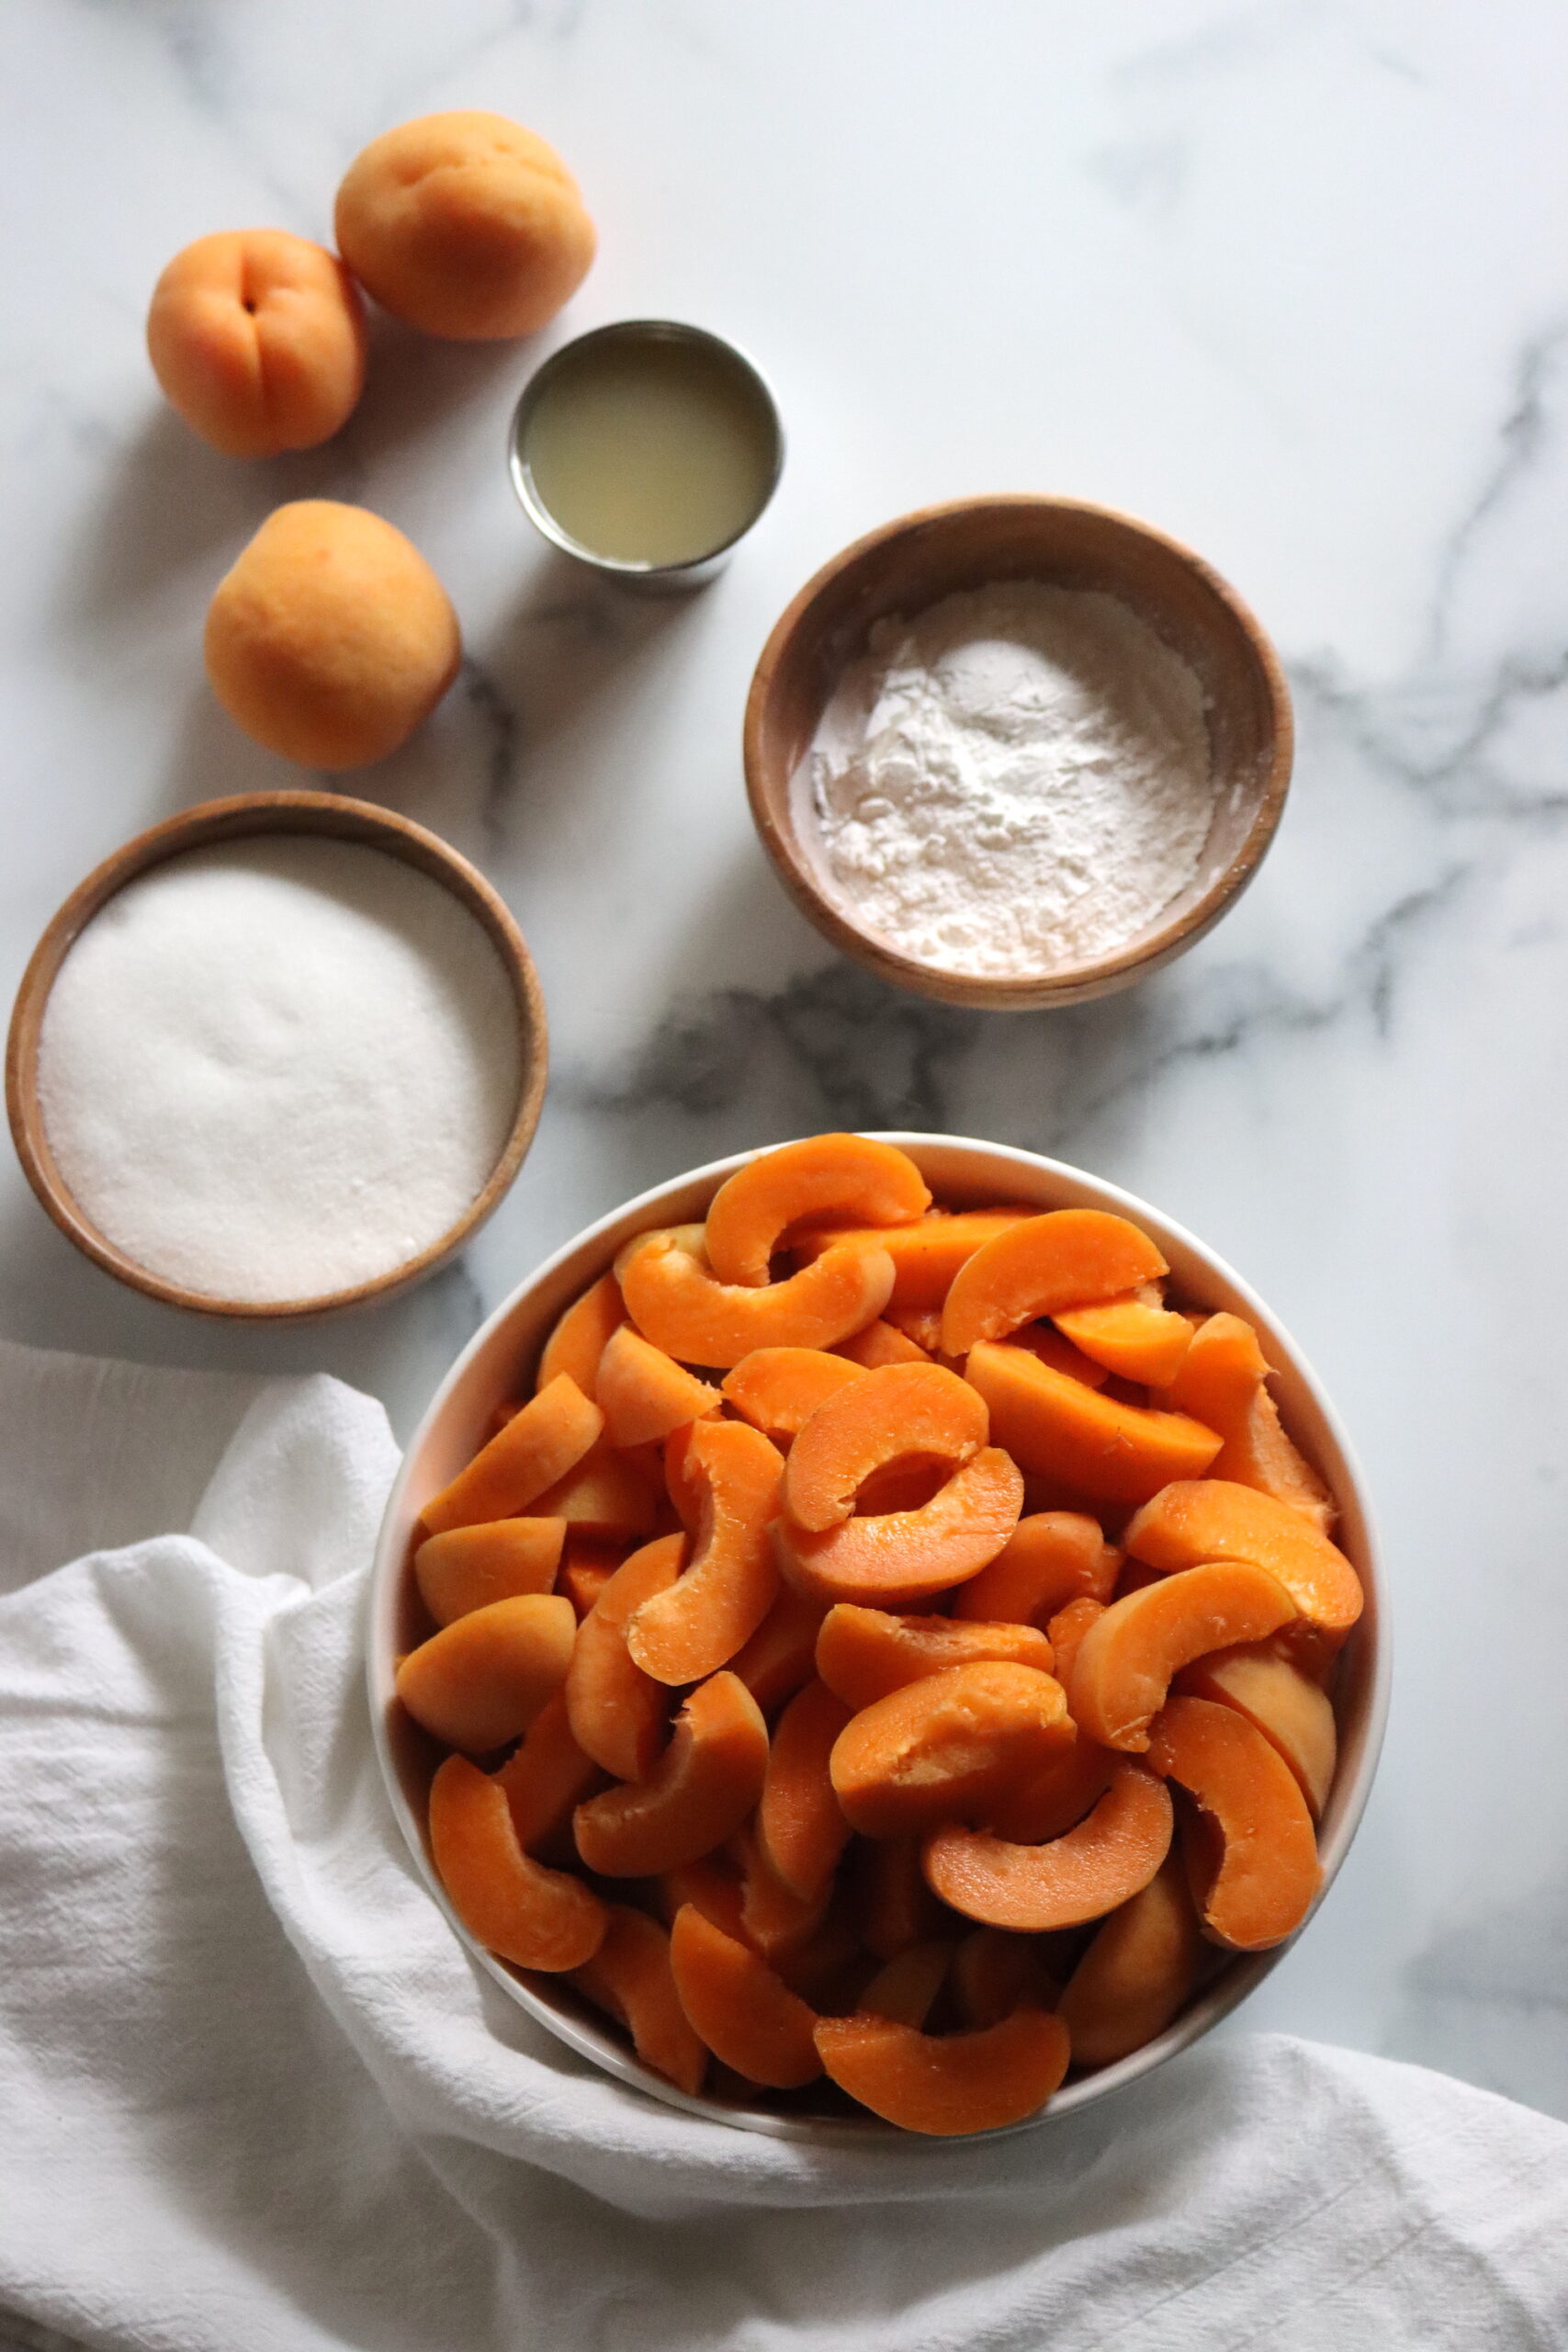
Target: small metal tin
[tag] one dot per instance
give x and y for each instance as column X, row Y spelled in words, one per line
column 659, row 577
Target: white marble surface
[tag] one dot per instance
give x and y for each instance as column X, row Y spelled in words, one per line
column 1286, row 276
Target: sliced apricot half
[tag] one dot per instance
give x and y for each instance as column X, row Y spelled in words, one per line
column 1254, row 1868
column 538, row 1446
column 630, row 1977
column 1127, row 1658
column 899, row 1558
column 894, row 1905
column 781, row 1657
column 995, row 1972
column 703, row 1619
column 514, row 1906
column 945, row 1747
column 1051, row 1557
column 774, row 1920
column 778, row 1390
column 604, row 1495
column 1056, row 1798
column 800, row 1825
column 901, row 1409
column 500, row 1559
column 644, row 1394
column 862, row 1654
column 619, row 1715
column 1052, row 1347
column 739, row 2006
column 905, row 1988
column 698, row 1793
column 711, row 1885
column 546, row 1777
column 587, row 1564
column 943, row 2085
column 1052, row 1425
column 1215, row 1518
column 1221, row 1381
column 1066, row 1631
column 1066, row 1258
column 482, row 1680
column 1131, row 1336
column 1136, row 1973
column 926, row 1255
column 580, row 1335
column 1082, row 1875
column 1286, row 1705
column 676, row 1300
column 852, row 1179
column 879, row 1344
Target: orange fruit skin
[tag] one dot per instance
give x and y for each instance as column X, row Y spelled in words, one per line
column 257, row 339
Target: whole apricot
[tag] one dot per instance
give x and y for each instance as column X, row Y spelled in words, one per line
column 330, row 638
column 257, row 338
column 465, row 225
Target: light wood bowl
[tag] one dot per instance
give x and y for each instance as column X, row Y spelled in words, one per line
column 225, row 820
column 913, row 563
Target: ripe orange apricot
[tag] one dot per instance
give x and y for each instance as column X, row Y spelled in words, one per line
column 482, row 1680
column 1051, row 1557
column 800, row 1825
column 580, row 1335
column 1266, row 1875
column 538, row 1446
column 1052, row 1347
column 1066, row 1631
column 587, row 1564
column 710, row 1612
column 465, row 225
column 711, row 1885
column 1220, row 1383
column 1127, row 1657
column 1136, row 1973
column 257, row 338
column 330, row 639
column 901, row 1557
column 546, row 1777
column 501, row 1558
column 903, row 1409
column 1057, row 1796
column 740, row 2007
column 631, row 1977
column 905, row 1988
column 532, row 1917
column 894, row 1905
column 619, row 1715
column 1135, row 1338
column 853, row 1178
column 927, row 1254
column 880, row 1344
column 947, row 2084
column 697, row 1795
column 946, row 1748
column 781, row 1657
column 775, row 1919
column 644, row 1394
column 1066, row 1258
column 1079, row 1876
column 778, row 1390
column 921, row 1324
column 995, row 1972
column 1214, row 1519
column 1054, row 1425
column 862, row 1654
column 604, row 1495
column 1289, row 1709
column 677, row 1301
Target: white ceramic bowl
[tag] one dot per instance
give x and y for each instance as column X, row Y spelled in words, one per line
column 498, row 1361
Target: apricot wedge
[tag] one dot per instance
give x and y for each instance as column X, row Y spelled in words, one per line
column 1066, row 1258
column 774, row 1920
column 739, row 2006
column 879, row 1344
column 945, row 1747
column 1052, row 1347
column 1265, row 1876
column 921, row 1324
column 901, row 1409
column 580, row 1335
column 994, row 1972
column 514, row 1906
column 899, row 1558
column 644, row 1394
column 781, row 1657
column 618, row 1714
column 1051, row 1557
column 500, row 1559
column 1082, row 1875
column 1129, row 1656
column 1052, row 1425
column 1132, row 1338
column 800, row 1824
column 1221, row 1381
column 943, row 2085
column 698, row 1793
column 895, row 1906
column 862, row 1654
column 630, row 1977
column 482, row 1680
column 905, row 1988
column 1135, row 1975
column 1279, row 1700
column 711, row 1885
column 588, row 1562
column 926, row 1255
column 1067, row 1632
column 1215, row 1518
column 603, row 1495
column 677, row 1301
column 852, row 1179
column 703, row 1619
column 539, row 1446
column 778, row 1390
column 1056, row 1798
column 547, row 1777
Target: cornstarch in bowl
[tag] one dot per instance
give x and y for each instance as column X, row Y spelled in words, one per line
column 278, row 1068
column 1018, row 778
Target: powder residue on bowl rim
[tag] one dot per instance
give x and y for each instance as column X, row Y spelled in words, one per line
column 278, row 1068
column 1016, row 779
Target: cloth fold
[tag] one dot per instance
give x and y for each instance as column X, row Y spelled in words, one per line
column 252, row 2092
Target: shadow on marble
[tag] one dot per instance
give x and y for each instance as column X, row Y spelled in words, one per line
column 574, row 638
column 169, row 506
column 1488, row 2000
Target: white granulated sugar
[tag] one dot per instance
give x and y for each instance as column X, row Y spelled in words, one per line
column 1016, row 779
column 278, row 1068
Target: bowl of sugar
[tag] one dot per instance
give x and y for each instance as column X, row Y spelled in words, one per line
column 1017, row 751
column 281, row 1055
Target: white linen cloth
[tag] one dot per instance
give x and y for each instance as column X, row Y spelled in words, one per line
column 253, row 2096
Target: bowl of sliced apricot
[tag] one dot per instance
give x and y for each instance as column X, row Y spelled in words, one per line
column 879, row 1634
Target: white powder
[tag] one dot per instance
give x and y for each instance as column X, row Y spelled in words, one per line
column 1016, row 779
column 279, row 1067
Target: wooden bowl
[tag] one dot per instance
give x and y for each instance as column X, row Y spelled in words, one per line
column 501, row 1361
column 913, row 563
column 225, row 820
